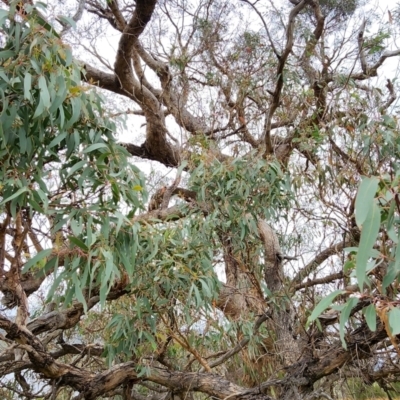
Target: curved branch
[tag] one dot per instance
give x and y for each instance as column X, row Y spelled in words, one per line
column 280, row 79
column 373, row 70
column 318, row 260
column 169, row 214
column 326, row 279
column 76, row 17
column 240, row 345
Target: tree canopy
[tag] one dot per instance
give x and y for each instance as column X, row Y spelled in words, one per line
column 199, row 198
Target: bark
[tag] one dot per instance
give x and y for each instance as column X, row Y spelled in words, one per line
column 283, row 313
column 241, row 295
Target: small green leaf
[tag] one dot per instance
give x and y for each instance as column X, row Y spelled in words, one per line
column 370, row 317
column 75, row 167
column 344, row 317
column 27, row 86
column 78, row 292
column 76, row 104
column 46, row 25
column 39, row 109
column 95, row 146
column 57, row 139
column 16, row 194
column 78, row 243
column 323, row 305
column 67, row 21
column 38, row 257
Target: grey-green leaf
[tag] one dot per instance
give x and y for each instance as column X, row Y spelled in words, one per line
column 44, row 92
column 38, row 257
column 27, row 86
column 364, row 200
column 369, row 233
column 394, row 321
column 95, row 146
column 14, row 195
column 344, row 317
column 370, row 317
column 323, row 305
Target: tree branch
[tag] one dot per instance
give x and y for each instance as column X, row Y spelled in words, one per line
column 280, row 79
column 318, row 260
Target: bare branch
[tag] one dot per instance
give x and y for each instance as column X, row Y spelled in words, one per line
column 240, row 346
column 76, row 17
column 280, row 79
column 361, row 50
column 326, row 279
column 318, row 260
column 391, row 99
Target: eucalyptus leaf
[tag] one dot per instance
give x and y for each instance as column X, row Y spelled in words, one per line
column 364, row 200
column 325, row 303
column 369, row 234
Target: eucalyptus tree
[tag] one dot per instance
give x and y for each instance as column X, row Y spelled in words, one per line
column 266, row 267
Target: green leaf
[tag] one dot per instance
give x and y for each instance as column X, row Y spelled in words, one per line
column 78, row 243
column 67, row 21
column 16, row 194
column 370, row 317
column 182, row 166
column 95, row 146
column 369, row 233
column 44, row 92
column 34, row 260
column 365, row 198
column 57, row 139
column 344, row 317
column 3, row 16
column 27, row 86
column 46, row 25
column 6, row 54
column 78, row 292
column 43, row 197
column 39, row 109
column 109, row 266
column 323, row 305
column 394, row 321
column 75, row 167
column 76, row 104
